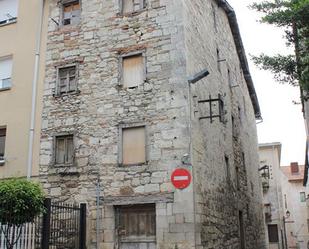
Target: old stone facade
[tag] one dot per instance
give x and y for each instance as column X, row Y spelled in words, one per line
column 222, row 207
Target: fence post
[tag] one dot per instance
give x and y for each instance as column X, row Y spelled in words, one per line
column 82, row 226
column 46, row 224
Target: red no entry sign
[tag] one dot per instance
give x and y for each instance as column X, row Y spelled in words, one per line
column 181, row 178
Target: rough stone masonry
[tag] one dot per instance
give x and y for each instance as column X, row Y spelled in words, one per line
column 222, row 208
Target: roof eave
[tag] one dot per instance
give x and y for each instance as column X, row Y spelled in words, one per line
column 242, row 55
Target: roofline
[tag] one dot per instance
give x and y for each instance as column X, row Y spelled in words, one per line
column 241, row 54
column 273, row 145
column 270, row 144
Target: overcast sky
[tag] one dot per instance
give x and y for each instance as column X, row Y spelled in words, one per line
column 282, row 120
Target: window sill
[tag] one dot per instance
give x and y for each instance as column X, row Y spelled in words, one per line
column 136, row 239
column 5, row 89
column 2, row 24
column 123, row 165
column 66, row 169
column 131, row 14
column 66, row 94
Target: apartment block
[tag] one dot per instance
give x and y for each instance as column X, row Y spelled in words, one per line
column 21, row 54
column 124, row 107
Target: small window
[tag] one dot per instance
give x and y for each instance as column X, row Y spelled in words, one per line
column 129, row 6
column 136, row 223
column 133, row 145
column 241, row 230
column 64, row 150
column 273, row 233
column 227, row 167
column 2, row 141
column 302, row 196
column 67, row 80
column 214, row 17
column 229, row 76
column 71, row 12
column 6, row 64
column 133, row 73
column 218, row 60
column 8, row 11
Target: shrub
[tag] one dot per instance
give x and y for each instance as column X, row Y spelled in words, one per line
column 20, row 201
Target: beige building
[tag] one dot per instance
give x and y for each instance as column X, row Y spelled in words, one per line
column 21, row 55
column 294, row 206
column 284, row 198
column 270, row 155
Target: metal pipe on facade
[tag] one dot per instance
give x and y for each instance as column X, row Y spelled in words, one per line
column 34, row 90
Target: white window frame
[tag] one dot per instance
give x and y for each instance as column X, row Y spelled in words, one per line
column 128, row 55
column 121, row 127
column 9, row 57
column 58, row 88
column 11, row 17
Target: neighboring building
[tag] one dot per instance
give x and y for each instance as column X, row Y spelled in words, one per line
column 119, row 117
column 270, row 156
column 284, row 200
column 19, row 32
column 294, row 199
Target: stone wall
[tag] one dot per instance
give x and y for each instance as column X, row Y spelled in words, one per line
column 175, row 38
column 218, row 199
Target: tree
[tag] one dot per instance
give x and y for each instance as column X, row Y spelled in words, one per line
column 293, row 16
column 20, row 202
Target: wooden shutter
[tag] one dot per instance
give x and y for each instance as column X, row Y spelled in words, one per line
column 273, row 233
column 127, row 6
column 133, row 145
column 69, row 149
column 137, row 221
column 133, row 71
column 60, row 150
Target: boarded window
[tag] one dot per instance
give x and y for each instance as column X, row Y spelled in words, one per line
column 133, row 71
column 67, row 80
column 2, row 141
column 136, row 222
column 64, row 150
column 129, row 6
column 133, row 145
column 71, row 12
column 6, row 64
column 273, row 233
column 8, row 11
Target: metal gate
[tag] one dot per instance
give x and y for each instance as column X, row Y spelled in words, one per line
column 62, row 226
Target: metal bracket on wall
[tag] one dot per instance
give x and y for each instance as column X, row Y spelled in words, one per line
column 213, row 103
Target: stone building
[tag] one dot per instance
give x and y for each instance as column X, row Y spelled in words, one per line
column 119, row 116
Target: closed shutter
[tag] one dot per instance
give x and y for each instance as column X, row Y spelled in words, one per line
column 133, row 145
column 133, row 71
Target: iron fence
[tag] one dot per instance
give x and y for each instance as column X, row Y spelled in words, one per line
column 61, row 226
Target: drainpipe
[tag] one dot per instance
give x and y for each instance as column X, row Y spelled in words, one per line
column 34, row 90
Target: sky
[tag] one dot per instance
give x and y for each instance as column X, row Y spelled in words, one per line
column 282, row 119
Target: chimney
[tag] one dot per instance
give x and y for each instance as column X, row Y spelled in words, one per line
column 294, row 168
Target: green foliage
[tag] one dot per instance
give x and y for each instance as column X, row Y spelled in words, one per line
column 20, row 201
column 293, row 16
